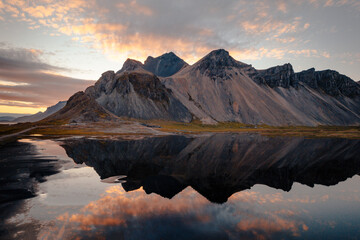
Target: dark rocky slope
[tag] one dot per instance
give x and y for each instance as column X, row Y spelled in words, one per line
column 81, row 108
column 219, row 88
column 138, row 94
column 163, row 66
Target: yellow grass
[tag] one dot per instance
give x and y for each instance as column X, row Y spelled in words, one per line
column 102, row 129
column 272, row 131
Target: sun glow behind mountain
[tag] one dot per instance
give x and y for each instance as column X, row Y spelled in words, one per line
column 51, row 47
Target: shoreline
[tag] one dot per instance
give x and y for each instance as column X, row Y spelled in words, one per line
column 162, row 128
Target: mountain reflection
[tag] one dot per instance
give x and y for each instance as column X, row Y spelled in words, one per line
column 218, row 165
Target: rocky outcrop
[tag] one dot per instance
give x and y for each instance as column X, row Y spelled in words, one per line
column 216, row 63
column 137, row 94
column 41, row 115
column 279, row 76
column 130, row 65
column 329, row 82
column 218, row 88
column 165, row 65
column 80, row 108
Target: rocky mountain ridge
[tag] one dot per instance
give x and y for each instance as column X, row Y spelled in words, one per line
column 163, row 66
column 82, row 108
column 41, row 115
column 219, row 88
column 137, row 94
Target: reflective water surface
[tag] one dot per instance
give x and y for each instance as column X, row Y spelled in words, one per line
column 216, row 186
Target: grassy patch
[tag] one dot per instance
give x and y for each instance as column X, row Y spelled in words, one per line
column 197, row 126
column 271, row 131
column 96, row 130
column 58, row 128
column 6, row 129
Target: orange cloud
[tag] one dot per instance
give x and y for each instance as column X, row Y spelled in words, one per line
column 251, row 196
column 119, row 42
column 138, row 46
column 28, row 84
column 310, row 53
column 277, row 28
column 255, row 54
column 336, row 3
column 93, row 28
column 117, row 208
column 285, row 40
column 119, row 39
column 123, row 211
column 282, row 7
column 21, row 108
column 261, row 227
column 40, row 11
column 133, row 7
column 1, row 6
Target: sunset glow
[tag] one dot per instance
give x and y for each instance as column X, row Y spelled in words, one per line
column 51, row 46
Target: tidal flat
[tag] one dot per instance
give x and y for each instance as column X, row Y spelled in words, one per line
column 182, row 186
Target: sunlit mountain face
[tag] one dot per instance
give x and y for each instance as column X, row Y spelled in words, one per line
column 214, row 186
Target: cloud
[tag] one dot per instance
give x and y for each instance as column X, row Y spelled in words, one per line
column 263, row 228
column 26, row 81
column 335, row 3
column 40, row 11
column 20, row 59
column 187, row 215
column 139, row 28
column 133, row 7
column 310, row 53
column 282, row 7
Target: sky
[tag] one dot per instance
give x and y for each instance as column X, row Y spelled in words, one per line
column 51, row 49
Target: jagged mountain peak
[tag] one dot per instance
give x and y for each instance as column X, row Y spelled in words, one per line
column 278, row 68
column 165, row 65
column 131, row 65
column 138, row 94
column 219, row 88
column 221, row 57
column 218, row 53
column 168, row 55
column 215, row 64
column 278, row 76
column 330, row 82
column 107, row 74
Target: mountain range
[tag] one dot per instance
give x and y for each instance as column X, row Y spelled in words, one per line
column 219, row 88
column 41, row 115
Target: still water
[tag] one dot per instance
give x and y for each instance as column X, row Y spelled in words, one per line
column 216, row 186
